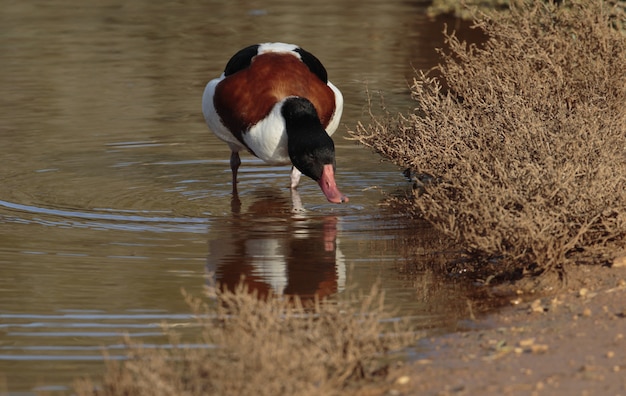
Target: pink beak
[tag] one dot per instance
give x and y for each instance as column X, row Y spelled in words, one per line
column 329, row 187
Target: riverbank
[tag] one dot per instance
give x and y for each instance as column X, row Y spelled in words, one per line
column 571, row 341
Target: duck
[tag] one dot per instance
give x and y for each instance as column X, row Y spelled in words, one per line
column 275, row 101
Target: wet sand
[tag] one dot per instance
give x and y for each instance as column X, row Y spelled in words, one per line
column 571, row 341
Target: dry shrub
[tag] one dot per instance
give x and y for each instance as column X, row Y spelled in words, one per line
column 273, row 346
column 525, row 136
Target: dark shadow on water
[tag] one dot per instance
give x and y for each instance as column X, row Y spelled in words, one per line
column 276, row 250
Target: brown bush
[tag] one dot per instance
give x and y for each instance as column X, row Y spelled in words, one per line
column 525, row 136
column 273, row 346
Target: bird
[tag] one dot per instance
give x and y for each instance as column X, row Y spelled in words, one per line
column 275, row 101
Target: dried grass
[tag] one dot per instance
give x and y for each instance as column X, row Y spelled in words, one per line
column 525, row 136
column 273, row 346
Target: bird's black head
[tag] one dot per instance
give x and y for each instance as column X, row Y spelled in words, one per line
column 309, row 146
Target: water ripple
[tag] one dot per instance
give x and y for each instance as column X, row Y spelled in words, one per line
column 112, row 220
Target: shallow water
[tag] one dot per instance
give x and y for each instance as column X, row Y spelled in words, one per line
column 114, row 195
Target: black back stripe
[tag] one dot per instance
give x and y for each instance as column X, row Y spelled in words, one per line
column 313, row 64
column 241, row 60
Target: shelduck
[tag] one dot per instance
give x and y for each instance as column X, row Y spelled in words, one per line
column 275, row 101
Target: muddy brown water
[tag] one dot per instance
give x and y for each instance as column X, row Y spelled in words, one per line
column 114, row 195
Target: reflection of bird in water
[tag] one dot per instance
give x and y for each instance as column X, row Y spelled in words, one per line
column 275, row 101
column 276, row 251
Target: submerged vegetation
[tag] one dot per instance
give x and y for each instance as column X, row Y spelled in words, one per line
column 519, row 143
column 272, row 346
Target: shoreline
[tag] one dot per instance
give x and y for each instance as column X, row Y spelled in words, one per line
column 571, row 341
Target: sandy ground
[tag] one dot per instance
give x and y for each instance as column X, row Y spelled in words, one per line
column 571, row 341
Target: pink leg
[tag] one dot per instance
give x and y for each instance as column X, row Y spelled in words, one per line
column 296, row 202
column 235, row 161
column 295, row 177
